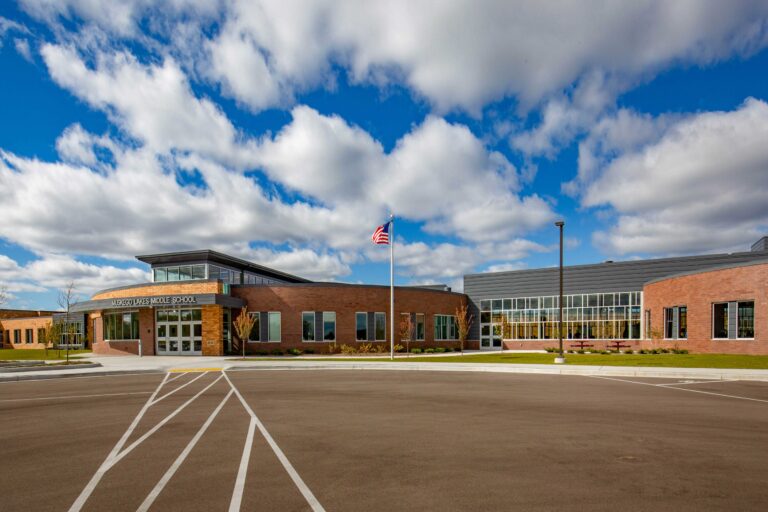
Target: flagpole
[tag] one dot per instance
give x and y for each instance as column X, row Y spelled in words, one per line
column 391, row 286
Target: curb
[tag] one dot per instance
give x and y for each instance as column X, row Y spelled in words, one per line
column 107, row 373
column 48, row 368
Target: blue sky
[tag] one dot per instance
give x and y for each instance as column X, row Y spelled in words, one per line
column 284, row 132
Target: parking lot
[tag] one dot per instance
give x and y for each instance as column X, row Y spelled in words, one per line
column 382, row 440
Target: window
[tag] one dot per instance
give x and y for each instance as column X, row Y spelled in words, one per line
column 420, row 326
column 329, row 326
column 255, row 334
column 720, row 321
column 676, row 323
column 308, row 326
column 160, row 275
column 121, row 326
column 17, row 335
column 361, row 326
column 28, row 336
column 445, row 327
column 274, row 326
column 380, row 326
column 40, row 335
column 745, row 319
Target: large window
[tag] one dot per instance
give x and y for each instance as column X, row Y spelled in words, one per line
column 720, row 320
column 676, row 323
column 40, row 335
column 308, row 326
column 28, row 333
column 380, row 326
column 445, row 327
column 274, row 326
column 17, row 335
column 255, row 334
column 121, row 326
column 329, row 326
column 420, row 326
column 361, row 326
column 744, row 313
column 179, row 273
column 585, row 316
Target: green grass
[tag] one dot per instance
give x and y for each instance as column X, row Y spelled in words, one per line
column 658, row 360
column 10, row 354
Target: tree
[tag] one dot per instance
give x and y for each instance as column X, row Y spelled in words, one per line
column 68, row 298
column 506, row 327
column 51, row 335
column 463, row 322
column 243, row 326
column 405, row 329
column 3, row 295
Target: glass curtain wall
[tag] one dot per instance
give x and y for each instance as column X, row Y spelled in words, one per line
column 585, row 316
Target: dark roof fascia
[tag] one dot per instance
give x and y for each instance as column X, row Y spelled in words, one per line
column 217, row 257
column 316, row 284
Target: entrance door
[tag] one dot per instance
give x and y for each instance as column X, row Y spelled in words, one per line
column 179, row 331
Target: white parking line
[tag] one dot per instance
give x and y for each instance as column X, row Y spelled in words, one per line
column 680, row 389
column 67, row 397
column 157, row 427
column 176, row 377
column 237, row 494
column 687, row 382
column 178, row 388
column 152, row 496
column 94, row 481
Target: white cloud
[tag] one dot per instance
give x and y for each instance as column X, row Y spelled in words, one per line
column 700, row 187
column 23, row 49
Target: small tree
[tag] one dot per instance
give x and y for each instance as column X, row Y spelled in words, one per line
column 53, row 333
column 506, row 327
column 405, row 329
column 243, row 326
column 463, row 322
column 68, row 298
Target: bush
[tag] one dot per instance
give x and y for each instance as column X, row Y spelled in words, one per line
column 665, row 350
column 680, row 351
column 643, row 351
column 379, row 348
column 309, row 351
column 399, row 348
column 440, row 350
column 415, row 350
column 294, row 352
column 630, row 351
column 550, row 349
column 429, row 350
column 346, row 349
column 365, row 348
column 448, row 349
column 277, row 352
column 262, row 353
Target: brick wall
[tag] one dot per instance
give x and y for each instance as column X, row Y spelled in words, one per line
column 146, row 335
column 154, row 290
column 8, row 325
column 213, row 333
column 345, row 300
column 698, row 292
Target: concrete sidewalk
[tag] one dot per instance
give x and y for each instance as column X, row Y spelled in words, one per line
column 122, row 365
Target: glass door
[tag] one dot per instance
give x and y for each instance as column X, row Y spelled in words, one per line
column 179, row 331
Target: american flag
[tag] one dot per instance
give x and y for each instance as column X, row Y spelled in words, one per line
column 381, row 235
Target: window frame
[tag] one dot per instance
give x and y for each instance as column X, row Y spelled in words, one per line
column 375, row 333
column 314, row 320
column 727, row 313
column 365, row 317
column 423, row 326
column 269, row 327
column 325, row 339
column 29, row 336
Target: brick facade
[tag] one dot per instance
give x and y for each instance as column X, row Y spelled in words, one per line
column 156, row 290
column 213, row 331
column 698, row 292
column 345, row 301
column 8, row 325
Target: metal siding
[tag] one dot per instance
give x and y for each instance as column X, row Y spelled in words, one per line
column 605, row 277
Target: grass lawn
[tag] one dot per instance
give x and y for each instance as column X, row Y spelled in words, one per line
column 9, row 354
column 662, row 360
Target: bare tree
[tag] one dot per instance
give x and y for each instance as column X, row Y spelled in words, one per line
column 463, row 322
column 67, row 299
column 243, row 326
column 51, row 335
column 405, row 329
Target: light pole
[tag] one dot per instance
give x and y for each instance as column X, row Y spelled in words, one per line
column 560, row 359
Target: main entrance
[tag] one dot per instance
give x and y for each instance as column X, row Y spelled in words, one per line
column 179, row 331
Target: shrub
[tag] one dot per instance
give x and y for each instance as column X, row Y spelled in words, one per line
column 346, row 349
column 550, row 349
column 262, row 353
column 656, row 351
column 379, row 348
column 309, row 351
column 415, row 350
column 294, row 352
column 440, row 350
column 399, row 348
column 630, row 351
column 277, row 352
column 429, row 350
column 680, row 351
column 448, row 349
column 332, row 348
column 664, row 350
column 643, row 351
column 365, row 348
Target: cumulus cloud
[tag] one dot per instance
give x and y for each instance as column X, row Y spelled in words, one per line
column 700, row 187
